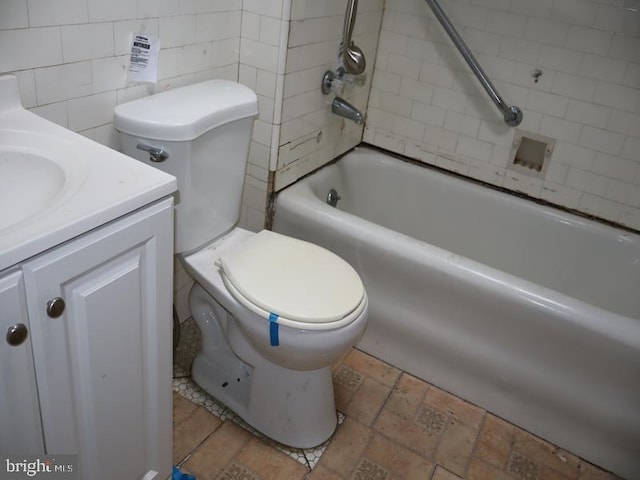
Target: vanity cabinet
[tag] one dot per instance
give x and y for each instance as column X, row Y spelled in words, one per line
column 98, row 310
column 20, row 428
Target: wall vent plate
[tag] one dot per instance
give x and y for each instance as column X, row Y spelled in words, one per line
column 530, row 153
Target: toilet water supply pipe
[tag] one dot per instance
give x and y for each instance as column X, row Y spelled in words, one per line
column 512, row 115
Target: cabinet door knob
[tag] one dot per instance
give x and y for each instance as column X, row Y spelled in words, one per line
column 55, row 307
column 16, row 334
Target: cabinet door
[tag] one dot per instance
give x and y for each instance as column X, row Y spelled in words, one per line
column 103, row 365
column 20, row 432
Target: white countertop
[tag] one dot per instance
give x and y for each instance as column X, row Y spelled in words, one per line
column 100, row 185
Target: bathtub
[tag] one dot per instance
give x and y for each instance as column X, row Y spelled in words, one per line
column 527, row 311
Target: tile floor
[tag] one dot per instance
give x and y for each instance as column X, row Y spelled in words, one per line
column 395, row 427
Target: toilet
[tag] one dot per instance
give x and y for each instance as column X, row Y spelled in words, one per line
column 274, row 312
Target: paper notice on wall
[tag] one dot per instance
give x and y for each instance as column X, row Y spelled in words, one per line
column 143, row 62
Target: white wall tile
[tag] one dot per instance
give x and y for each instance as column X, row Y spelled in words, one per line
column 539, row 8
column 587, row 97
column 63, row 82
column 177, row 31
column 601, row 140
column 508, row 24
column 622, row 20
column 626, row 123
column 88, row 41
column 547, row 103
column 605, row 69
column 419, row 91
column 589, row 40
column 575, row 12
column 14, row 14
column 109, row 73
column 615, row 167
column 91, row 111
column 561, row 59
column 546, row 31
column 560, row 129
column 54, row 112
column 520, row 50
column 574, row 86
column 462, row 124
column 588, row 113
column 57, row 12
column 101, row 11
column 29, row 48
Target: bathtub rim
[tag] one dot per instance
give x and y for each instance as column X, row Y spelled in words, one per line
column 563, row 304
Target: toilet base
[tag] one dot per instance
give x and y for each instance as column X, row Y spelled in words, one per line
column 295, row 408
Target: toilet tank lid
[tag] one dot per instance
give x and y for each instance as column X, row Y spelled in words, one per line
column 185, row 113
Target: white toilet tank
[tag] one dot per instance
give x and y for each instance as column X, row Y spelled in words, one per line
column 205, row 129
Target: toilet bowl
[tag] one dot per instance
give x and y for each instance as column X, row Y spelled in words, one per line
column 285, row 390
column 274, row 312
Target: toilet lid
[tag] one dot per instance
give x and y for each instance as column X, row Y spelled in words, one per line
column 293, row 279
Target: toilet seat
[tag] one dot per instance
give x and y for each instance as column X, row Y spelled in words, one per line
column 298, row 283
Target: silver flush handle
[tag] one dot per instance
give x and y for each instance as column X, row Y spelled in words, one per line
column 156, row 154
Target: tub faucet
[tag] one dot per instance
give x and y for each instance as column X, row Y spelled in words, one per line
column 344, row 109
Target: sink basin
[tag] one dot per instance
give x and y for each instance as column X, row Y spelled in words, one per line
column 35, row 175
column 56, row 185
column 44, row 179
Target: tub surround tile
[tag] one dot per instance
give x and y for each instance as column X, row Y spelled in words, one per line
column 397, row 427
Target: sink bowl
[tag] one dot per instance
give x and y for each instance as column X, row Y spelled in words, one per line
column 56, row 185
column 37, row 174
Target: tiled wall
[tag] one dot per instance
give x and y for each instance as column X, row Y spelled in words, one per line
column 70, row 57
column 426, row 104
column 265, row 30
column 310, row 135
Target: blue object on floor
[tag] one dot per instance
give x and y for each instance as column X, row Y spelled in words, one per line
column 178, row 475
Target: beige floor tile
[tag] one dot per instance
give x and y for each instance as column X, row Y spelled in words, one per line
column 399, row 461
column 407, row 433
column 346, row 447
column 479, row 470
column 182, row 408
column 271, row 464
column 372, row 367
column 192, row 430
column 495, row 441
column 217, row 451
column 589, row 472
column 397, row 427
column 442, row 474
column 456, row 445
column 322, row 473
column 406, row 397
column 458, row 409
column 365, row 404
column 545, row 454
column 548, row 474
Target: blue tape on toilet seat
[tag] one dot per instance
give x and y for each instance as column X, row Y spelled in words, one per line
column 273, row 330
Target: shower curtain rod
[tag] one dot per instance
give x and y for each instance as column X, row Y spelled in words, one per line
column 512, row 114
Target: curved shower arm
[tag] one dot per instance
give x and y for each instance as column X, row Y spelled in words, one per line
column 352, row 56
column 512, row 115
column 349, row 24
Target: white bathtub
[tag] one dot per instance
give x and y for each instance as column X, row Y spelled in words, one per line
column 527, row 311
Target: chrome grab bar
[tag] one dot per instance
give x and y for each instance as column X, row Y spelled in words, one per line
column 512, row 114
